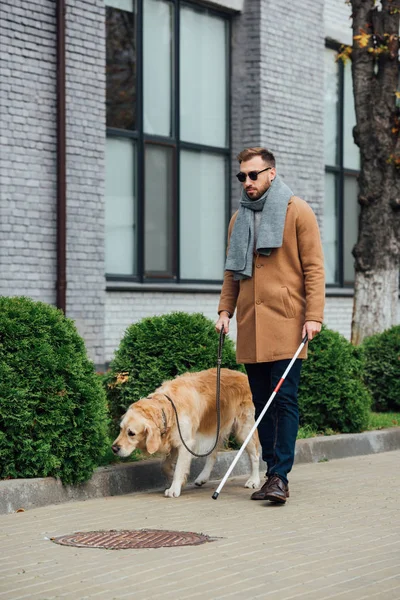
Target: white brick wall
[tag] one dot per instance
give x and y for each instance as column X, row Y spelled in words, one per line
column 292, row 90
column 337, row 21
column 245, row 86
column 86, row 170
column 125, row 308
column 338, row 313
column 27, row 149
column 277, row 91
column 28, row 158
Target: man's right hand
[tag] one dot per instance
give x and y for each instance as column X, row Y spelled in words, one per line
column 223, row 321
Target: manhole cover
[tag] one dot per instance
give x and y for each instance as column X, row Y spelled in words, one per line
column 121, row 540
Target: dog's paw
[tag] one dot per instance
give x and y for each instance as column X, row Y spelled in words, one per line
column 200, row 481
column 172, row 492
column 252, row 483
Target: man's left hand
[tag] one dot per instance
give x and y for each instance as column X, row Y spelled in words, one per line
column 311, row 328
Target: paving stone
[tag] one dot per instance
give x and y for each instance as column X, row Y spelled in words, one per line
column 338, row 536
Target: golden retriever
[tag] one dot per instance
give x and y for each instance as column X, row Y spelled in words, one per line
column 150, row 424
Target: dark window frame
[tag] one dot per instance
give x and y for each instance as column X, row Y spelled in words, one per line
column 141, row 139
column 340, row 172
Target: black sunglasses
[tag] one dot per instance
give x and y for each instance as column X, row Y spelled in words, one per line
column 253, row 175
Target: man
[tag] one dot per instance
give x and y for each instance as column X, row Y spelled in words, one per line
column 274, row 278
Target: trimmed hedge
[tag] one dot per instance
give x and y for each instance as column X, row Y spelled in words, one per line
column 53, row 412
column 332, row 394
column 159, row 348
column 382, row 369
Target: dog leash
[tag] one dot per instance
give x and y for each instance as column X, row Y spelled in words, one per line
column 218, row 406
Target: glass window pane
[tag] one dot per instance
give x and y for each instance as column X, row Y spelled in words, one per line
column 202, row 215
column 120, row 213
column 351, row 152
column 159, row 214
column 331, row 107
column 350, row 225
column 157, row 66
column 204, row 75
column 120, row 64
column 330, row 237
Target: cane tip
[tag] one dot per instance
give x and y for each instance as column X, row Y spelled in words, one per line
column 215, row 496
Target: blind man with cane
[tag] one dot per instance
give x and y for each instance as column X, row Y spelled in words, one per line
column 274, row 279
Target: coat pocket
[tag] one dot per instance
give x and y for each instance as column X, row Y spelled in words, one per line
column 288, row 303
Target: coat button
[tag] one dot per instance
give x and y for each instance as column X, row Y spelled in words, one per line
column 258, row 301
column 258, row 265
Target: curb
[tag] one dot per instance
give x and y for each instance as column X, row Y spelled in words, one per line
column 139, row 476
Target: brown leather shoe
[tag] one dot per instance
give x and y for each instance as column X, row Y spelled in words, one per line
column 261, row 494
column 276, row 490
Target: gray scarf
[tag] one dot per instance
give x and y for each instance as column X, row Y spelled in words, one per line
column 273, row 205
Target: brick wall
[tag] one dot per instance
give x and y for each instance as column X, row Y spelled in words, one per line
column 28, row 158
column 338, row 313
column 277, row 91
column 86, row 170
column 292, row 90
column 337, row 21
column 245, row 86
column 27, row 149
column 123, row 309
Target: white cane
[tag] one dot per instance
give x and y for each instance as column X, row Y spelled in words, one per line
column 256, row 424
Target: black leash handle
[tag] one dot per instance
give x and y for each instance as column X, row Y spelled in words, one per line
column 218, row 404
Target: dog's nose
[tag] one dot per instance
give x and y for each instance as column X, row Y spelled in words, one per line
column 115, row 448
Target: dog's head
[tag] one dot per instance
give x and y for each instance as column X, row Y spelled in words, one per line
column 137, row 430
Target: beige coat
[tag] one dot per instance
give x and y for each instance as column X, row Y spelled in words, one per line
column 287, row 288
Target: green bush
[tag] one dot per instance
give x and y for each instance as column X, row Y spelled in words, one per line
column 382, row 368
column 332, row 394
column 53, row 412
column 160, row 348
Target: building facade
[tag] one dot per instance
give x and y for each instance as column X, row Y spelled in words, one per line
column 158, row 98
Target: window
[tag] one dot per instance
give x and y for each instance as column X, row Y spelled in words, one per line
column 120, row 216
column 121, row 64
column 167, row 152
column 342, row 160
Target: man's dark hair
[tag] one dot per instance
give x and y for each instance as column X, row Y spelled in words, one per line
column 265, row 154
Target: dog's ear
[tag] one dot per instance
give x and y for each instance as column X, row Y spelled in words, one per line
column 153, row 439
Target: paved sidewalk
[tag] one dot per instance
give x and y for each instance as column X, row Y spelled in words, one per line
column 145, row 475
column 337, row 537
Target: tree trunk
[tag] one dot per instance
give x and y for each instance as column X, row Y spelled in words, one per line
column 375, row 303
column 375, row 69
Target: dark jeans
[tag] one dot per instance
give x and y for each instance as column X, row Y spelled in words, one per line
column 278, row 428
